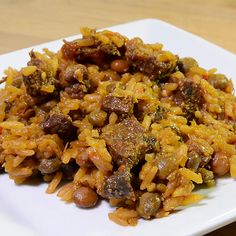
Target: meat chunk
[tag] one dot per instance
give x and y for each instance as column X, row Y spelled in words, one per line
column 92, row 55
column 151, row 143
column 110, row 49
column 149, row 62
column 36, row 86
column 92, row 51
column 18, row 80
column 148, row 205
column 76, row 91
column 70, row 74
column 119, row 105
column 41, row 83
column 189, row 97
column 69, row 50
column 59, row 124
column 93, row 45
column 83, row 54
column 125, row 141
column 35, row 61
column 119, row 185
column 160, row 114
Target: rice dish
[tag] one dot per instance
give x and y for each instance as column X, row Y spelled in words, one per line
column 107, row 117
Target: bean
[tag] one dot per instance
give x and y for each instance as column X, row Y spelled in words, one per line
column 111, row 87
column 120, row 66
column 186, row 63
column 111, row 75
column 85, row 197
column 220, row 164
column 48, row 106
column 68, row 170
column 148, row 205
column 193, row 161
column 218, row 81
column 97, row 118
column 82, row 158
column 48, row 166
column 76, row 91
column 61, row 125
column 207, row 175
column 166, row 165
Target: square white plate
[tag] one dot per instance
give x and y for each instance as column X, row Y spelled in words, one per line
column 28, row 210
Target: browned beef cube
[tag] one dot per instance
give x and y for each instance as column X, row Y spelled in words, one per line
column 147, row 62
column 190, row 98
column 67, row 76
column 34, row 84
column 119, row 105
column 109, row 49
column 59, row 124
column 35, row 61
column 125, row 141
column 119, row 185
column 76, row 91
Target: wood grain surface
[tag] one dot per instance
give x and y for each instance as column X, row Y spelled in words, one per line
column 24, row 23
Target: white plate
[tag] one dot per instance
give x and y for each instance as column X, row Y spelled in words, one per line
column 28, row 210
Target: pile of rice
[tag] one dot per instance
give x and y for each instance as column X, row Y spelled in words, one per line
column 118, row 119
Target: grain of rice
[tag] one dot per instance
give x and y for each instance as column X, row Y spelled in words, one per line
column 124, row 217
column 26, row 71
column 172, row 202
column 11, row 125
column 67, row 191
column 192, row 199
column 149, row 177
column 233, row 166
column 54, row 183
column 161, row 187
column 188, row 174
column 79, row 174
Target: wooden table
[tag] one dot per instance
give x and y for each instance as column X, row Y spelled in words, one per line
column 28, row 22
column 25, row 23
